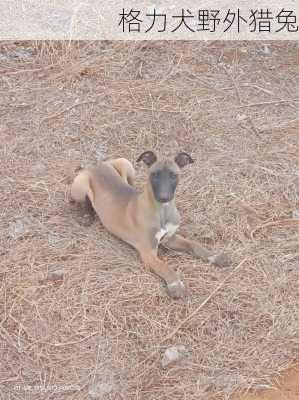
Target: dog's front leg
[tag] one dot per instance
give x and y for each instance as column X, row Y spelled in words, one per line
column 175, row 287
column 179, row 243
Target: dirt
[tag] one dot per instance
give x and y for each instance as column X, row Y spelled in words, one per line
column 287, row 388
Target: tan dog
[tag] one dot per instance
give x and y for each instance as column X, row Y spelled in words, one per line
column 144, row 220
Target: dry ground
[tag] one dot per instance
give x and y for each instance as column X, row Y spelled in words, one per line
column 285, row 388
column 99, row 321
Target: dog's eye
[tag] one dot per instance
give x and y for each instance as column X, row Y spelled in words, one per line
column 173, row 177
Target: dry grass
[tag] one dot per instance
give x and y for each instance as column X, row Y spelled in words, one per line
column 236, row 110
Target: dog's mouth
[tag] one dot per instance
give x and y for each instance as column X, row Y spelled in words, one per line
column 163, row 199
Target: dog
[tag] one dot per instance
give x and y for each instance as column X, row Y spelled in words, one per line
column 142, row 219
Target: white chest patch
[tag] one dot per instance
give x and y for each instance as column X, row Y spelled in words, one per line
column 167, row 231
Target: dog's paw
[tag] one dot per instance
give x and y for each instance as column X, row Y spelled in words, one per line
column 177, row 290
column 221, row 260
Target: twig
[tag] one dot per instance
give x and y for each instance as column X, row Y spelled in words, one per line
column 265, row 103
column 235, row 85
column 143, row 109
column 72, row 342
column 258, row 88
column 245, row 205
column 66, row 110
column 273, row 223
column 237, row 90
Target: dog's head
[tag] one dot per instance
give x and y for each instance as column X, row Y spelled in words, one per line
column 164, row 174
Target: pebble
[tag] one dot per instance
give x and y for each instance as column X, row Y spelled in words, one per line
column 173, row 354
column 295, row 214
column 56, row 274
column 19, row 227
column 265, row 50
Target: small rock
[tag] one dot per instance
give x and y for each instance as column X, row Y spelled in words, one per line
column 56, row 274
column 173, row 354
column 102, row 385
column 21, row 54
column 265, row 50
column 241, row 117
column 19, row 227
column 295, row 214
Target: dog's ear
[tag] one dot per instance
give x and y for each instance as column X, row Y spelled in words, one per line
column 148, row 157
column 183, row 159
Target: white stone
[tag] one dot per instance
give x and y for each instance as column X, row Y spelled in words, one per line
column 295, row 214
column 212, row 259
column 56, row 274
column 19, row 227
column 266, row 50
column 176, row 283
column 173, row 354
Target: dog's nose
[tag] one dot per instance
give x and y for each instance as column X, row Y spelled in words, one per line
column 164, row 198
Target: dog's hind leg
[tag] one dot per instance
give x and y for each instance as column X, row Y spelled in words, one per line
column 124, row 168
column 82, row 194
